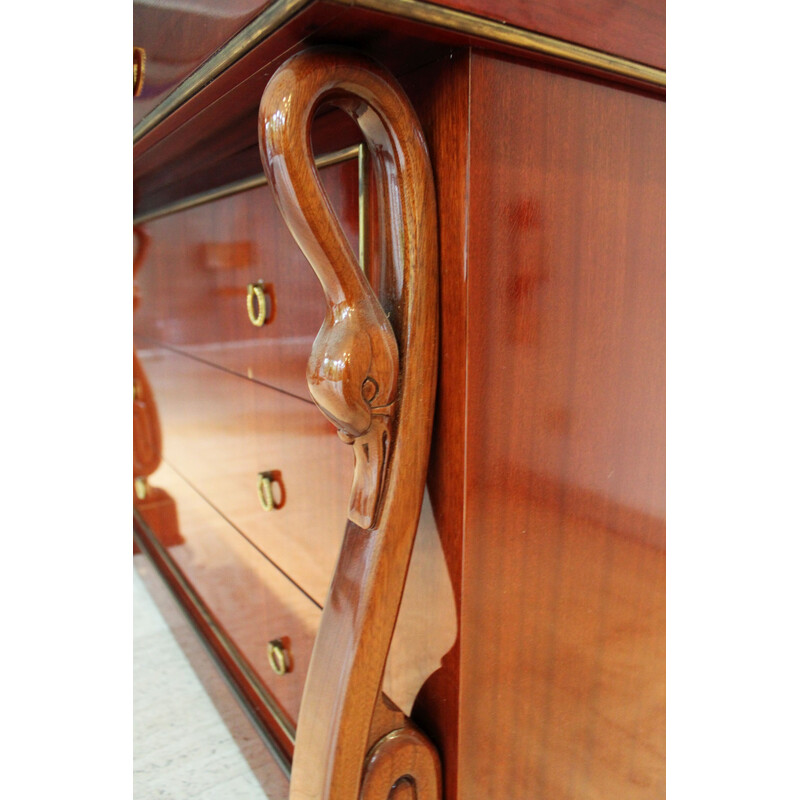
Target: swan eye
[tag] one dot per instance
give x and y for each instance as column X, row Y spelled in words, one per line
column 369, row 389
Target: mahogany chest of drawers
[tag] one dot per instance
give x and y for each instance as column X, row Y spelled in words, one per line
column 508, row 161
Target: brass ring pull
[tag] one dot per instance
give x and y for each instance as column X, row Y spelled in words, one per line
column 140, row 487
column 257, row 297
column 138, row 70
column 266, row 492
column 280, row 658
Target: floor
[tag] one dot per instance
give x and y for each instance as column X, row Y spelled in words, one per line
column 191, row 740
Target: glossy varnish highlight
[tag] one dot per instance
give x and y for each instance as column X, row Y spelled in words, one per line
column 247, row 595
column 564, row 532
column 632, row 29
column 193, row 283
column 440, row 94
column 372, row 372
column 547, row 469
column 221, row 431
column 177, row 40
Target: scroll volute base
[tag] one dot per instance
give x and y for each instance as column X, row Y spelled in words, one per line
column 402, row 764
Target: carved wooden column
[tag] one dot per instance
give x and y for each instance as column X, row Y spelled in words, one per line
column 153, row 503
column 146, row 427
column 372, row 373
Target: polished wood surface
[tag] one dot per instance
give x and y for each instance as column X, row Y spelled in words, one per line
column 373, row 373
column 154, row 503
column 564, row 536
column 530, row 641
column 146, row 425
column 221, row 431
column 198, row 305
column 179, row 38
column 633, row 29
column 213, row 553
column 209, row 139
column 440, row 93
column 249, row 598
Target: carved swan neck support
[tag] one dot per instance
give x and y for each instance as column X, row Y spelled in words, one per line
column 355, row 362
column 375, row 380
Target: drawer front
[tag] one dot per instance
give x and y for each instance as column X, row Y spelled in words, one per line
column 256, row 606
column 249, row 598
column 220, row 432
column 197, row 267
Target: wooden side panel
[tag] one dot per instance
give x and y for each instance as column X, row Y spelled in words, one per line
column 562, row 639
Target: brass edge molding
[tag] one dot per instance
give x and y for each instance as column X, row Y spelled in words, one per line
column 262, row 26
column 170, row 573
column 200, row 199
column 282, row 11
column 490, row 30
column 363, row 231
column 244, row 185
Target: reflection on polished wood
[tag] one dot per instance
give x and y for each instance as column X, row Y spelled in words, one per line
column 199, row 304
column 249, row 598
column 254, row 604
column 634, row 29
column 178, row 38
column 374, row 377
column 219, row 433
column 533, row 613
column 153, row 503
column 566, row 537
column 146, row 427
column 222, row 432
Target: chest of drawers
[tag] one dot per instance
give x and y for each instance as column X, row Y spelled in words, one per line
column 528, row 653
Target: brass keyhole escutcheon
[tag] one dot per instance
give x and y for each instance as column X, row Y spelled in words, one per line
column 280, row 659
column 257, row 294
column 267, row 483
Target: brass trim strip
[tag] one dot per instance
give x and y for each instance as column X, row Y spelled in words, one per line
column 491, row 30
column 363, row 232
column 202, row 198
column 262, row 26
column 282, row 11
column 326, row 160
column 149, row 545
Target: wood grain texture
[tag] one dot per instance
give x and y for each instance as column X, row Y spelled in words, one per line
column 209, row 140
column 146, row 425
column 195, row 276
column 373, row 372
column 154, row 503
column 179, row 38
column 221, row 431
column 546, row 476
column 249, row 598
column 564, row 535
column 440, row 94
column 633, row 29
